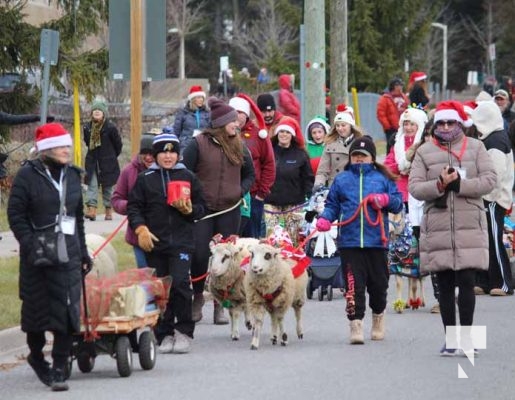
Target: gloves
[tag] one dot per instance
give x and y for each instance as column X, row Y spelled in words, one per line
column 323, row 225
column 87, row 265
column 183, row 206
column 378, row 200
column 454, row 185
column 146, row 238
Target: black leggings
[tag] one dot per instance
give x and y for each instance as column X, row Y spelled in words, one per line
column 464, row 280
column 61, row 349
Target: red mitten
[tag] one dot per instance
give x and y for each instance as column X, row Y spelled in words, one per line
column 379, row 200
column 323, row 225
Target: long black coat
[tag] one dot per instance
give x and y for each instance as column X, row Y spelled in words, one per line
column 50, row 295
column 103, row 159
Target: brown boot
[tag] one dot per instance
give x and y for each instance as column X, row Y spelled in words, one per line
column 109, row 214
column 218, row 316
column 91, row 213
column 356, row 332
column 377, row 326
column 196, row 309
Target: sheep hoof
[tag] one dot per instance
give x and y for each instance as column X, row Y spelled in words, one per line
column 284, row 340
column 301, row 336
column 252, row 347
column 274, row 340
column 248, row 324
column 235, row 338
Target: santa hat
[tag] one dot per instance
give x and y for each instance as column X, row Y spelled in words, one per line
column 290, row 125
column 452, row 110
column 415, row 115
column 243, row 103
column 469, row 106
column 196, row 91
column 345, row 114
column 417, row 76
column 52, row 135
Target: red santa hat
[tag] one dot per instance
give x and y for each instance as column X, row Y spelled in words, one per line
column 243, row 103
column 291, row 125
column 345, row 114
column 417, row 76
column 452, row 110
column 196, row 91
column 469, row 106
column 52, row 135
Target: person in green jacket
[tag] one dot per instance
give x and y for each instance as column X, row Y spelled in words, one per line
column 316, row 131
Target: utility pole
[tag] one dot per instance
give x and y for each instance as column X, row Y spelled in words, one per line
column 315, row 65
column 339, row 54
column 136, row 90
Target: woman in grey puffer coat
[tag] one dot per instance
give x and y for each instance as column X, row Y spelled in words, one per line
column 193, row 118
column 451, row 173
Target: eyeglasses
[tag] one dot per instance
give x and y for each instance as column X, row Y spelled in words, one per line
column 450, row 123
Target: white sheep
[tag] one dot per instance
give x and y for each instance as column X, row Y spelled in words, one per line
column 105, row 263
column 270, row 286
column 226, row 279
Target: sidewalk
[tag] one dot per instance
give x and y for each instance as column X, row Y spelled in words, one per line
column 12, row 340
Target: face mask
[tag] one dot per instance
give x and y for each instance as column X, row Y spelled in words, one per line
column 450, row 135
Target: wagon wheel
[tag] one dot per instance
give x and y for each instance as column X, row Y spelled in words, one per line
column 309, row 289
column 329, row 292
column 320, row 293
column 86, row 362
column 147, row 350
column 123, row 354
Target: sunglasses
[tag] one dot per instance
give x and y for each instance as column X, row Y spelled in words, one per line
column 450, row 123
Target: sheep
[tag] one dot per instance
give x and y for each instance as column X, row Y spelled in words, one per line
column 226, row 279
column 270, row 286
column 105, row 262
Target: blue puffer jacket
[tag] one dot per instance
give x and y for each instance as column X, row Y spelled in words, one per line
column 187, row 120
column 347, row 191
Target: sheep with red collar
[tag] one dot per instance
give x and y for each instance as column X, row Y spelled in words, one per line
column 270, row 286
column 226, row 279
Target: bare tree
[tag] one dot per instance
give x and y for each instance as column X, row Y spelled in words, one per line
column 184, row 19
column 267, row 38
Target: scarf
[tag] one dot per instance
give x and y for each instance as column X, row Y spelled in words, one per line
column 96, row 128
column 449, row 136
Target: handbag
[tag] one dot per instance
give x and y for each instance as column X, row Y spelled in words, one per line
column 50, row 244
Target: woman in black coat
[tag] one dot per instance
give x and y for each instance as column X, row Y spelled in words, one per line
column 50, row 294
column 102, row 169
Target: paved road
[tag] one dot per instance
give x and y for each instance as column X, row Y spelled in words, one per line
column 405, row 365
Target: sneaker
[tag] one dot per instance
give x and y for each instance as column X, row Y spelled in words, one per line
column 462, row 353
column 42, row 369
column 435, row 309
column 167, row 344
column 182, row 343
column 497, row 292
column 445, row 352
column 479, row 291
column 59, row 380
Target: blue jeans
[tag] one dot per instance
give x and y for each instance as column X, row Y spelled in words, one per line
column 139, row 255
column 92, row 193
column 254, row 226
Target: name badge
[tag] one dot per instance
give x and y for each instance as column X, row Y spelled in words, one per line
column 68, row 225
column 462, row 172
column 196, row 132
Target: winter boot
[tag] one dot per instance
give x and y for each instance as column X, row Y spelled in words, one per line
column 356, row 332
column 41, row 368
column 377, row 326
column 218, row 316
column 109, row 214
column 59, row 380
column 91, row 213
column 196, row 309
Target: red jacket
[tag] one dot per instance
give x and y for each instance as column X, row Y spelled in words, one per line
column 262, row 158
column 288, row 103
column 388, row 113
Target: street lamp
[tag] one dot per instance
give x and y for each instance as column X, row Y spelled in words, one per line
column 443, row 27
column 182, row 73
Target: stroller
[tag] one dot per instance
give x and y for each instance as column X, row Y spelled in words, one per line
column 325, row 271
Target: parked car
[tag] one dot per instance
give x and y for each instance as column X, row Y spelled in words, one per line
column 8, row 82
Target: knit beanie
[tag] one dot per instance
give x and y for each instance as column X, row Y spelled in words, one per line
column 266, row 102
column 49, row 136
column 488, row 118
column 344, row 114
column 221, row 113
column 365, row 145
column 165, row 142
column 145, row 144
column 99, row 105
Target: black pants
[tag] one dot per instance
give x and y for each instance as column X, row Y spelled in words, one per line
column 227, row 224
column 177, row 315
column 61, row 348
column 434, row 281
column 253, row 228
column 447, row 281
column 498, row 275
column 365, row 269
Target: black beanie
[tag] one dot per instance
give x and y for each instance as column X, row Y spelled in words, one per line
column 265, row 102
column 145, row 144
column 365, row 145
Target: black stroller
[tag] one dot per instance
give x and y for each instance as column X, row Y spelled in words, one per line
column 325, row 271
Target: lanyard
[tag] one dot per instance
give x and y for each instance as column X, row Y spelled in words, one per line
column 57, row 185
column 458, row 156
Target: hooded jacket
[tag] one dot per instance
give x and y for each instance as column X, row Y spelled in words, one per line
column 288, row 103
column 315, row 150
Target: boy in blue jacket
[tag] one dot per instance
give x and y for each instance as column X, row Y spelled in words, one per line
column 361, row 197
